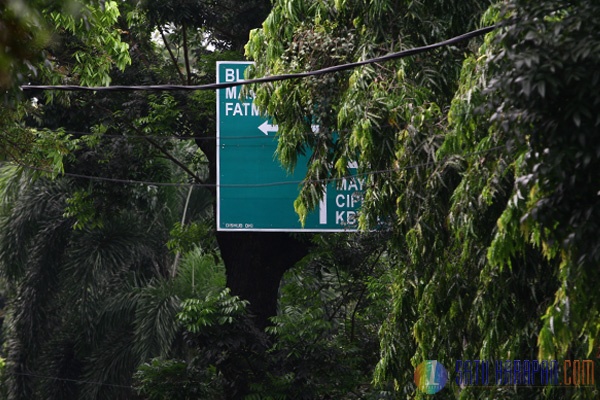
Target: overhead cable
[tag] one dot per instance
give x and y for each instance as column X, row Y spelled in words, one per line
column 248, row 185
column 273, row 78
column 55, row 378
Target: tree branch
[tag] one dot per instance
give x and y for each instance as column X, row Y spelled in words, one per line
column 175, row 63
column 176, row 161
column 186, row 55
column 361, row 296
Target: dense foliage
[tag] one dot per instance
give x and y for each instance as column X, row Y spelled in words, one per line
column 481, row 159
column 481, row 162
column 105, row 277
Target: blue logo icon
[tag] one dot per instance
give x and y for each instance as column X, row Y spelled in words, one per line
column 430, row 376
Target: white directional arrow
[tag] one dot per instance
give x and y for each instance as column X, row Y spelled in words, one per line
column 265, row 127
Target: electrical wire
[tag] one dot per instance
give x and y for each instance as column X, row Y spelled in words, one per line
column 70, row 380
column 273, row 78
column 80, row 381
column 221, row 138
column 249, row 185
column 108, row 135
column 212, row 86
column 107, row 179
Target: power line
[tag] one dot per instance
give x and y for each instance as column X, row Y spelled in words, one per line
column 107, row 179
column 116, row 136
column 250, row 185
column 273, row 78
column 358, row 175
column 214, row 138
column 70, row 380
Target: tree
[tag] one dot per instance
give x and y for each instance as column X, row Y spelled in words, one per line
column 186, row 29
column 255, row 262
column 551, row 107
column 62, row 279
column 24, row 34
column 331, row 307
column 66, row 42
column 473, row 150
column 82, row 257
column 481, row 163
column 115, row 150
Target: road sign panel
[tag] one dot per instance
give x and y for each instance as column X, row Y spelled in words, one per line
column 254, row 192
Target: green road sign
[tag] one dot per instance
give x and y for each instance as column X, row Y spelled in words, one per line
column 254, row 192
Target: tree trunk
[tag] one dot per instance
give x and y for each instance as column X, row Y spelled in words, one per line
column 255, row 263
